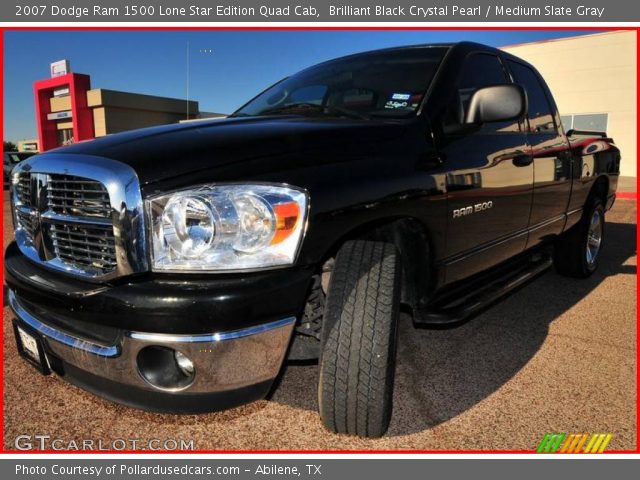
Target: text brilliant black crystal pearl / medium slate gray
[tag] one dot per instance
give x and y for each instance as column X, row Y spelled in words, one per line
column 313, row 11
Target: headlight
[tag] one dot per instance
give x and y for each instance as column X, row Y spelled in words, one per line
column 227, row 227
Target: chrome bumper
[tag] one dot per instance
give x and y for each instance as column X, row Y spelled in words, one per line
column 223, row 361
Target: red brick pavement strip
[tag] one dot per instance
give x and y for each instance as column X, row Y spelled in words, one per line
column 626, row 195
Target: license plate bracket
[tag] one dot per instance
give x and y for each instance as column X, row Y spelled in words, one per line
column 31, row 346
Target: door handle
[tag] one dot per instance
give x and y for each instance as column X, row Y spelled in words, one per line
column 523, row 160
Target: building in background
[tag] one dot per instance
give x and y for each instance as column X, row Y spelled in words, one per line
column 68, row 110
column 31, row 145
column 593, row 80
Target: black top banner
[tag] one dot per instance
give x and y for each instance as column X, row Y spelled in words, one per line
column 315, row 11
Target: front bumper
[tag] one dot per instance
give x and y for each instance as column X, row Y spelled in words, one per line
column 235, row 329
column 230, row 368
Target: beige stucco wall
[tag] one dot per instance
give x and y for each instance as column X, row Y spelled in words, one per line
column 593, row 74
column 115, row 111
column 60, row 104
column 107, row 120
column 136, row 101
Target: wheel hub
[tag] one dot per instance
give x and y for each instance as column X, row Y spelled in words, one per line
column 594, row 238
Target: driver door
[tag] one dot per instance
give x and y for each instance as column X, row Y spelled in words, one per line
column 489, row 181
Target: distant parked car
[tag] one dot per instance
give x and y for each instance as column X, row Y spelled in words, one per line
column 11, row 159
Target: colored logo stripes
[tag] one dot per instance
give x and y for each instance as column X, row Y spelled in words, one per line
column 574, row 443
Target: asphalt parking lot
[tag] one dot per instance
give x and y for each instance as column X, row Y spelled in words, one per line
column 559, row 355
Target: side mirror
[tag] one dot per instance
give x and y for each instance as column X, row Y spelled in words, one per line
column 497, row 103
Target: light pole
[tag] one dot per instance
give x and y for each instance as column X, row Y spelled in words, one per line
column 188, row 61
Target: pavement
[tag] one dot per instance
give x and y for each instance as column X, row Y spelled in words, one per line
column 627, row 184
column 558, row 355
column 627, row 188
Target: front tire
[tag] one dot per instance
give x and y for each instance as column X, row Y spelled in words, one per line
column 357, row 364
column 578, row 251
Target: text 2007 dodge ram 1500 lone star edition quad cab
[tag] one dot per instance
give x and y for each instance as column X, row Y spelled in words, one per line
column 175, row 268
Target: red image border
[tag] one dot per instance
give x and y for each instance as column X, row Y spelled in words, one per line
column 627, row 195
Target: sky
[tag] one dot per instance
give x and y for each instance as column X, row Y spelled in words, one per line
column 226, row 68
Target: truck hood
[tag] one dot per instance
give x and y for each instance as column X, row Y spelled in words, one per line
column 158, row 153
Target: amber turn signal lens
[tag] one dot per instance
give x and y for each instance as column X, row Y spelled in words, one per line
column 287, row 216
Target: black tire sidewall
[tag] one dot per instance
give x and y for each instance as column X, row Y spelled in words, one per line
column 335, row 403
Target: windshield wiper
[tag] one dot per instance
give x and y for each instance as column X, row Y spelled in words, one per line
column 326, row 109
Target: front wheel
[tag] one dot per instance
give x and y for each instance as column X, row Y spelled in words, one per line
column 357, row 362
column 578, row 251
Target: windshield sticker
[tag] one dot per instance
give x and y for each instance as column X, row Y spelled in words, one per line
column 392, row 105
column 416, row 99
column 401, row 96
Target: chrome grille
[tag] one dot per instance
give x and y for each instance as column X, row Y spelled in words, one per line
column 27, row 221
column 85, row 246
column 69, row 195
column 80, row 214
column 23, row 189
column 75, row 225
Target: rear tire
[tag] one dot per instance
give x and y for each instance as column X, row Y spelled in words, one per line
column 357, row 363
column 577, row 252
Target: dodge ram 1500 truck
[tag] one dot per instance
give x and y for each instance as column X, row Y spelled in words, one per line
column 175, row 268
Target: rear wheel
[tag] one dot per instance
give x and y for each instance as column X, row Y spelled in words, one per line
column 578, row 251
column 357, row 363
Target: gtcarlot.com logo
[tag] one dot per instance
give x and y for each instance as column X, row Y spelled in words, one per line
column 574, row 443
column 47, row 442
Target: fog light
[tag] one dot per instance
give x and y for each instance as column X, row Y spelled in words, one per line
column 184, row 363
column 165, row 368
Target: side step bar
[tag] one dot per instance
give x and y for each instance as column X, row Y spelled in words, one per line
column 459, row 304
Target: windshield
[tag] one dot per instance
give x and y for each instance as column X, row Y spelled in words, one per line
column 380, row 84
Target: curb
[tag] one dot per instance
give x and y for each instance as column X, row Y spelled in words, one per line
column 627, row 195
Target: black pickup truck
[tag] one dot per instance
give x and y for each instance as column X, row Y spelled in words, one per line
column 175, row 268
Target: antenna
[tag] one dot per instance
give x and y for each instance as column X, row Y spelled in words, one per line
column 188, row 80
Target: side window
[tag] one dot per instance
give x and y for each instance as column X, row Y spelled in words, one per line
column 595, row 122
column 567, row 122
column 540, row 111
column 479, row 70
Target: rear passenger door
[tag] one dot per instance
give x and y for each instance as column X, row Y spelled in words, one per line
column 551, row 157
column 489, row 177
